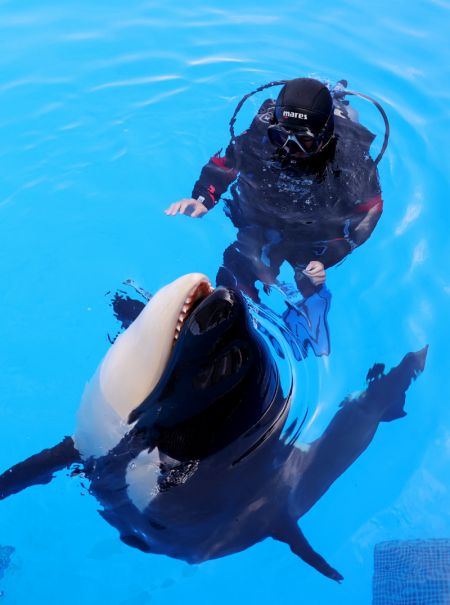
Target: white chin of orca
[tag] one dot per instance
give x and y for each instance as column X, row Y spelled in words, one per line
column 134, row 365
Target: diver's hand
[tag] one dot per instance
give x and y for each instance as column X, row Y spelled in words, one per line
column 316, row 272
column 188, row 206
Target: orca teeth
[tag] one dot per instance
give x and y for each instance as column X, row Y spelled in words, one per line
column 198, row 292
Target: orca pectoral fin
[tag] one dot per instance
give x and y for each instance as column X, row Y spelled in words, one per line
column 292, row 535
column 38, row 469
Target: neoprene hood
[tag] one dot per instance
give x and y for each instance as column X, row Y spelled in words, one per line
column 304, row 103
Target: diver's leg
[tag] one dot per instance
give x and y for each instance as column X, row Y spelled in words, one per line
column 306, row 317
column 273, row 256
column 242, row 263
column 38, row 469
column 236, row 273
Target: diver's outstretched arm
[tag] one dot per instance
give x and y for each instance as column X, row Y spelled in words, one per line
column 38, row 469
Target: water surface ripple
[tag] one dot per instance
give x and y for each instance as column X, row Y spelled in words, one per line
column 108, row 112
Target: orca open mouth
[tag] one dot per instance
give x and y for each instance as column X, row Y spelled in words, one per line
column 197, row 295
column 187, row 350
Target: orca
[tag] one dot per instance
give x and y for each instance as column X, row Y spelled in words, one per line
column 182, row 432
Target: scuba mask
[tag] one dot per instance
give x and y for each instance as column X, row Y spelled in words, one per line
column 301, row 139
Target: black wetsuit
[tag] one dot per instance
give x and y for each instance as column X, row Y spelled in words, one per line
column 319, row 208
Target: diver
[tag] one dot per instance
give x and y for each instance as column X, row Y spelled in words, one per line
column 304, row 188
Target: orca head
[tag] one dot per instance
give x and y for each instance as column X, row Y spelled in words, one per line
column 218, row 383
column 189, row 376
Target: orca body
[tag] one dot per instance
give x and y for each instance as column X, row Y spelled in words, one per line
column 184, row 442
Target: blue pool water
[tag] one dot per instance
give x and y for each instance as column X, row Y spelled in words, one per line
column 108, row 112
